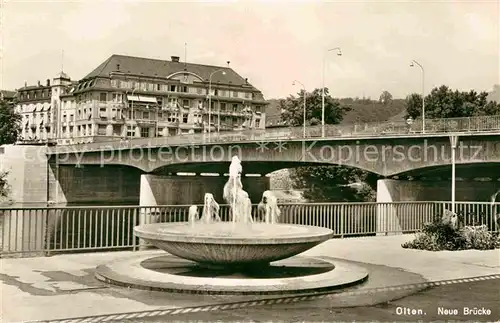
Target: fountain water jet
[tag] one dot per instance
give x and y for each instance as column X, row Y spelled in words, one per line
column 193, row 215
column 210, row 210
column 269, row 207
column 234, row 195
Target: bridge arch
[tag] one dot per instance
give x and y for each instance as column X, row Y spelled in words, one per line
column 462, row 170
column 262, row 167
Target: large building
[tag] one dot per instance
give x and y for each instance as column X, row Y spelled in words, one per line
column 130, row 97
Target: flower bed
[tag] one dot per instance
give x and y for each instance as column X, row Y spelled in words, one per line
column 438, row 236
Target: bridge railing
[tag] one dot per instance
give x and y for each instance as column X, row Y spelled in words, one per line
column 35, row 231
column 432, row 126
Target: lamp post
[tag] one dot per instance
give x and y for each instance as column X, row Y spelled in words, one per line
column 453, row 143
column 218, row 115
column 412, row 64
column 304, row 112
column 210, row 98
column 339, row 53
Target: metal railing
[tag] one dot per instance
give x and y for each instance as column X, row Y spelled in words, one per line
column 36, row 231
column 375, row 129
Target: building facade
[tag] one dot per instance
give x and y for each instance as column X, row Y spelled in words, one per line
column 133, row 97
column 38, row 106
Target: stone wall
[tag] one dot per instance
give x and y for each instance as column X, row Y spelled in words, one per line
column 27, row 173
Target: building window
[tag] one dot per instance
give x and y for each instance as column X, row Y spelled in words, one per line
column 130, row 131
column 257, row 108
column 248, row 95
column 145, row 115
column 235, row 94
column 184, row 118
column 103, row 97
column 172, row 88
column 235, row 107
column 101, row 130
column 184, row 89
column 257, row 123
column 223, row 107
column 172, row 117
column 160, row 132
column 144, row 132
column 158, row 87
column 115, row 83
column 185, row 103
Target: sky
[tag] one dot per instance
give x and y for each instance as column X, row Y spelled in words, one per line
column 272, row 43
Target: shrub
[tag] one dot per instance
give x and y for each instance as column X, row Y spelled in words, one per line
column 437, row 236
column 478, row 237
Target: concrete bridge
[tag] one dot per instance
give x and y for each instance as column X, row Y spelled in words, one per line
column 388, row 156
column 407, row 160
column 415, row 167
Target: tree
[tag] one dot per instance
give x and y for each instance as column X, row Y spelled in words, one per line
column 385, row 98
column 10, row 128
column 413, row 105
column 324, row 183
column 10, row 124
column 443, row 102
column 292, row 108
column 333, row 183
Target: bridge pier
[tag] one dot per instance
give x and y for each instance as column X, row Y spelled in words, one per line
column 391, row 190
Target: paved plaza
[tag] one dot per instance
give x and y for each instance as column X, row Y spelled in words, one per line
column 63, row 287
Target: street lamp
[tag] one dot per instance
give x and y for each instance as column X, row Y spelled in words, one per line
column 412, row 64
column 339, row 53
column 304, row 121
column 453, row 144
column 210, row 98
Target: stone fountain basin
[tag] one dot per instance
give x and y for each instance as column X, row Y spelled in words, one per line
column 225, row 243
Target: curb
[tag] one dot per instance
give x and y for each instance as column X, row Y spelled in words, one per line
column 270, row 301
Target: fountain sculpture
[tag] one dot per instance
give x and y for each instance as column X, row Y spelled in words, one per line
column 240, row 246
column 210, row 209
column 268, row 206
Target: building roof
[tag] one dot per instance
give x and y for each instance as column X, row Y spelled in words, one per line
column 163, row 68
column 62, row 75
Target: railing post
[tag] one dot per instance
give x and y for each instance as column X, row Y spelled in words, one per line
column 388, row 218
column 342, row 220
column 134, row 221
column 47, row 231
